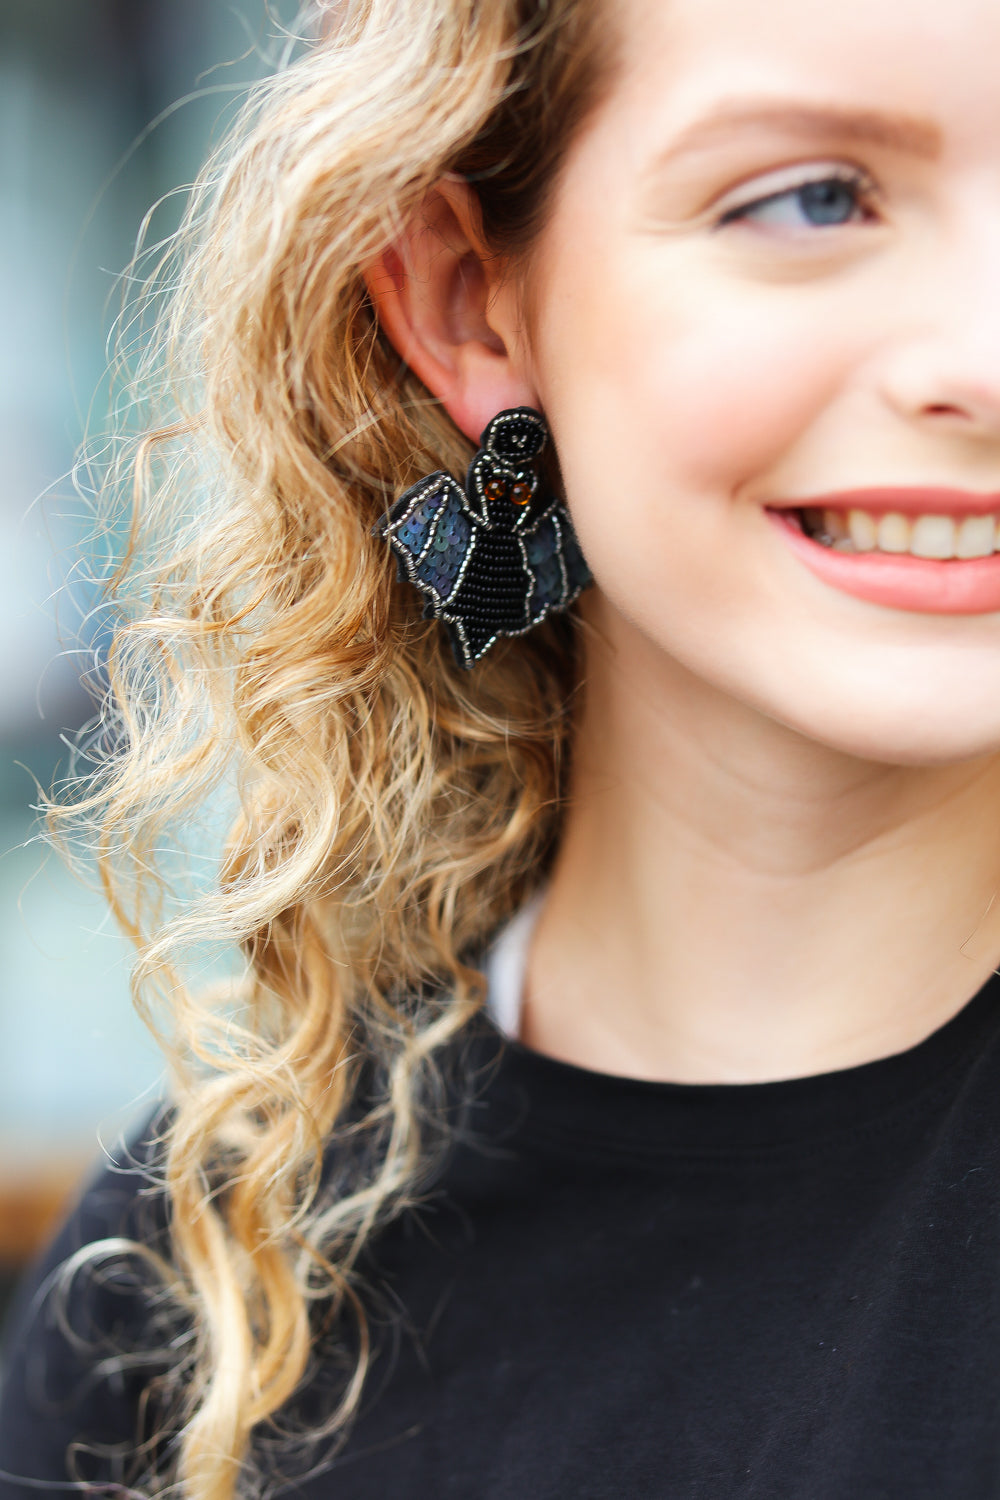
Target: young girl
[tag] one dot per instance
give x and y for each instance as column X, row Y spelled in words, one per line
column 697, row 1193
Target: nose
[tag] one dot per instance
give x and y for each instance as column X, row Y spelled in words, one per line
column 943, row 371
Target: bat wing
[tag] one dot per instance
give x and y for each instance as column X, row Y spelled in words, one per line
column 432, row 534
column 555, row 563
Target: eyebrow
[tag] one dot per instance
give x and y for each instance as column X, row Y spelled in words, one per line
column 903, row 133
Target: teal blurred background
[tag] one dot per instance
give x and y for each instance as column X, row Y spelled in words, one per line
column 106, row 107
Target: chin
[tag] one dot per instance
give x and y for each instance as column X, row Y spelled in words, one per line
column 911, row 703
column 920, row 737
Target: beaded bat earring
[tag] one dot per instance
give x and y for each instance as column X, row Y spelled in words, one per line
column 497, row 557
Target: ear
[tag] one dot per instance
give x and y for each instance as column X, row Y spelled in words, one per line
column 441, row 297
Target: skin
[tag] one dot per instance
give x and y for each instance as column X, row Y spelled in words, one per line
column 783, row 840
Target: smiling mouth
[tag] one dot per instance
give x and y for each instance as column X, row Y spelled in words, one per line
column 930, row 550
column 939, row 537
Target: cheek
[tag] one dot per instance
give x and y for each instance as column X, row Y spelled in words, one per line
column 674, row 409
column 724, row 402
column 699, row 393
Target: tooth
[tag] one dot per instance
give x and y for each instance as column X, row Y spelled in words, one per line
column 844, row 544
column 834, row 525
column 861, row 529
column 893, row 533
column 933, row 536
column 976, row 536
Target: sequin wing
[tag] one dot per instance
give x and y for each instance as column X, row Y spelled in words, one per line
column 555, row 563
column 431, row 532
column 578, row 575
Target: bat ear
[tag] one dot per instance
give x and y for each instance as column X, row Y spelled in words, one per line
column 442, row 298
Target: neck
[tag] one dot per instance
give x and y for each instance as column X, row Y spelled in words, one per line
column 734, row 903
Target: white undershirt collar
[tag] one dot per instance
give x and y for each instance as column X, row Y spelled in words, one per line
column 505, row 964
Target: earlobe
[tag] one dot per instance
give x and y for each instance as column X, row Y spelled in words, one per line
column 439, row 295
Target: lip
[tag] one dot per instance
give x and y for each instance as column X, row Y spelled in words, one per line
column 920, row 585
column 905, row 500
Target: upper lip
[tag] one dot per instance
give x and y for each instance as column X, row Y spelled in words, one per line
column 907, row 500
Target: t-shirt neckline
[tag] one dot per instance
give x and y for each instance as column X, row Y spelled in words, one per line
column 583, row 1104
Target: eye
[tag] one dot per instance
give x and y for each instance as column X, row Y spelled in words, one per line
column 820, row 203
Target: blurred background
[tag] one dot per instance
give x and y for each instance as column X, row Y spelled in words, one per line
column 106, row 107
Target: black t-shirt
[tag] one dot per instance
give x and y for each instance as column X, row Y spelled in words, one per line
column 619, row 1288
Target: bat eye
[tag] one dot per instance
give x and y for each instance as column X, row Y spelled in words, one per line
column 520, row 492
column 496, row 490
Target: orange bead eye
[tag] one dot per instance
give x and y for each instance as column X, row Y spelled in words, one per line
column 496, row 490
column 520, row 492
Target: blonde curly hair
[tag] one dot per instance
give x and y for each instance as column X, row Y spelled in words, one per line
column 388, row 808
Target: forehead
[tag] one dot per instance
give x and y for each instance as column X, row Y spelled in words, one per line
column 681, row 56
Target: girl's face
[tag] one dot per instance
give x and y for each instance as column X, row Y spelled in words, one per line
column 772, row 278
